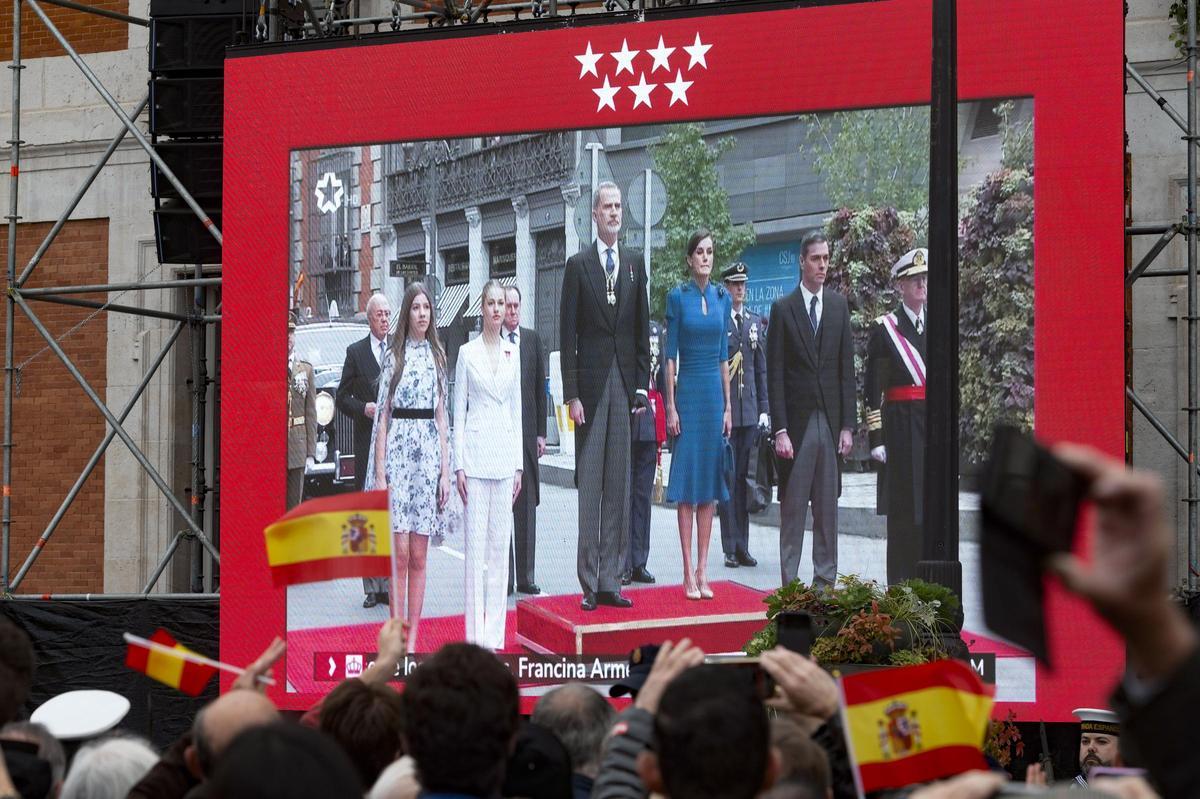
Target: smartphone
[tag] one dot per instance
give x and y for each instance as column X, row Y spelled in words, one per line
column 1028, row 493
column 794, row 630
column 1114, row 771
column 1029, row 503
column 764, row 684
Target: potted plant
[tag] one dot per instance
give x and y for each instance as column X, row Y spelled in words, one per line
column 860, row 623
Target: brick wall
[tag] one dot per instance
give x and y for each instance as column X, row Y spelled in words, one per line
column 87, row 33
column 55, row 427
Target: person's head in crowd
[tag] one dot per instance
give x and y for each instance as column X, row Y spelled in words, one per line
column 284, row 761
column 735, row 277
column 580, row 717
column 48, row 748
column 607, row 212
column 367, row 721
column 794, row 789
column 397, row 781
column 801, row 759
column 814, row 261
column 512, row 308
column 911, row 273
column 16, row 670
column 491, row 304
column 703, row 711
column 460, row 720
column 699, row 255
column 379, row 315
column 107, row 768
column 1099, row 739
column 220, row 722
column 539, row 767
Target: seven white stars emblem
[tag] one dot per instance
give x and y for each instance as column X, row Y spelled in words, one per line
column 697, row 51
column 679, row 88
column 587, row 61
column 641, row 92
column 606, row 93
column 329, row 193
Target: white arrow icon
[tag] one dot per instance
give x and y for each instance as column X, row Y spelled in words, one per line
column 332, row 666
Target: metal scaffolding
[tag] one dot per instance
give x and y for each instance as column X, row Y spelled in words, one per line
column 191, row 514
column 1166, row 233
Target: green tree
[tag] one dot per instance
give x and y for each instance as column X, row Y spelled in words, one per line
column 877, row 158
column 695, row 199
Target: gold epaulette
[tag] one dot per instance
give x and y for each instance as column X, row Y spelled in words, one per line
column 735, row 363
column 874, row 420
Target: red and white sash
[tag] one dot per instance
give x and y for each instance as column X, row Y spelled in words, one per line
column 911, row 358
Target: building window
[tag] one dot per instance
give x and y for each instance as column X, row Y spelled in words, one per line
column 458, row 265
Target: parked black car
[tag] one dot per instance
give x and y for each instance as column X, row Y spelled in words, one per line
column 323, row 344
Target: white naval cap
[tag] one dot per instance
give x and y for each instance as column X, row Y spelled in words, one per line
column 913, row 262
column 77, row 715
column 1097, row 720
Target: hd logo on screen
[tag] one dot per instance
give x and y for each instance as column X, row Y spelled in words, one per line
column 639, row 64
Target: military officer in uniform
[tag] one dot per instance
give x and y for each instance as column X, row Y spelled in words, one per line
column 302, row 419
column 748, row 402
column 895, row 405
column 649, row 432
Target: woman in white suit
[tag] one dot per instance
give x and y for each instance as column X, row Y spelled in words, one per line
column 487, row 453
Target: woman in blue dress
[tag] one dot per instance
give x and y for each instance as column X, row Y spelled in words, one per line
column 698, row 412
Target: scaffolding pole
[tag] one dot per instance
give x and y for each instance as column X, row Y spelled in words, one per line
column 14, row 159
column 1188, row 124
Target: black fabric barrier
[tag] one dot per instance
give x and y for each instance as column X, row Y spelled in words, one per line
column 78, row 645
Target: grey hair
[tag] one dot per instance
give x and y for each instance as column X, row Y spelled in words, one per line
column 49, row 749
column 377, row 298
column 108, row 768
column 601, row 186
column 580, row 718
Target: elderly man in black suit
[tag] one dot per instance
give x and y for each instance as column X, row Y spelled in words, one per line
column 356, row 397
column 604, row 337
column 810, row 389
column 533, row 442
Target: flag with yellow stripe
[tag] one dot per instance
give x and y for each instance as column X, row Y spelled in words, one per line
column 328, row 538
column 914, row 724
column 170, row 667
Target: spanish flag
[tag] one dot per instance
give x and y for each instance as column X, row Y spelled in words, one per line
column 347, row 535
column 914, row 724
column 164, row 659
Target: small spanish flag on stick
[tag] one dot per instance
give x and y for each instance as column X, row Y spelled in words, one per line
column 163, row 658
column 915, row 724
column 346, row 535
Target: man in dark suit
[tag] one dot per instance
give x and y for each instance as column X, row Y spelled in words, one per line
column 748, row 402
column 649, row 432
column 895, row 408
column 356, row 397
column 533, row 442
column 810, row 387
column 604, row 338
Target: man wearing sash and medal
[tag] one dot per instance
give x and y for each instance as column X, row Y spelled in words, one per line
column 895, row 405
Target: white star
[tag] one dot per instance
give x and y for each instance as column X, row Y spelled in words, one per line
column 641, row 92
column 329, row 193
column 587, row 61
column 624, row 57
column 660, row 55
column 606, row 93
column 679, row 88
column 697, row 51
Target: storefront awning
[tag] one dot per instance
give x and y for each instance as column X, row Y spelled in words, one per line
column 477, row 304
column 448, row 304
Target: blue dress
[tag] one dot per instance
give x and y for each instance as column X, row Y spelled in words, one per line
column 696, row 341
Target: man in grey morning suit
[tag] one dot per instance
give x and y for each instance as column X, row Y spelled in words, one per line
column 533, row 442
column 604, row 338
column 810, row 388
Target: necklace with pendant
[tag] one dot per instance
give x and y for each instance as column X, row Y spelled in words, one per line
column 610, row 282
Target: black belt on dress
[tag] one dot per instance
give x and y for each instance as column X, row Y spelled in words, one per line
column 412, row 413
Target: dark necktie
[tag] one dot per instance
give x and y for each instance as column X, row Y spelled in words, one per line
column 609, row 267
column 513, row 337
column 382, row 352
column 812, row 313
column 737, row 320
column 920, row 327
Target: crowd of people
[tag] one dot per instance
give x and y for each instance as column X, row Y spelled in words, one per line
column 693, row 729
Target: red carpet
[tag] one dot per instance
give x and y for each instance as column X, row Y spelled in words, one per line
column 722, row 624
column 317, row 658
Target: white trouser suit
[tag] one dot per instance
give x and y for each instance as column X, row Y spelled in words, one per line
column 487, row 448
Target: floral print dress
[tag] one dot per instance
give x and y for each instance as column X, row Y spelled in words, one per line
column 414, row 453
